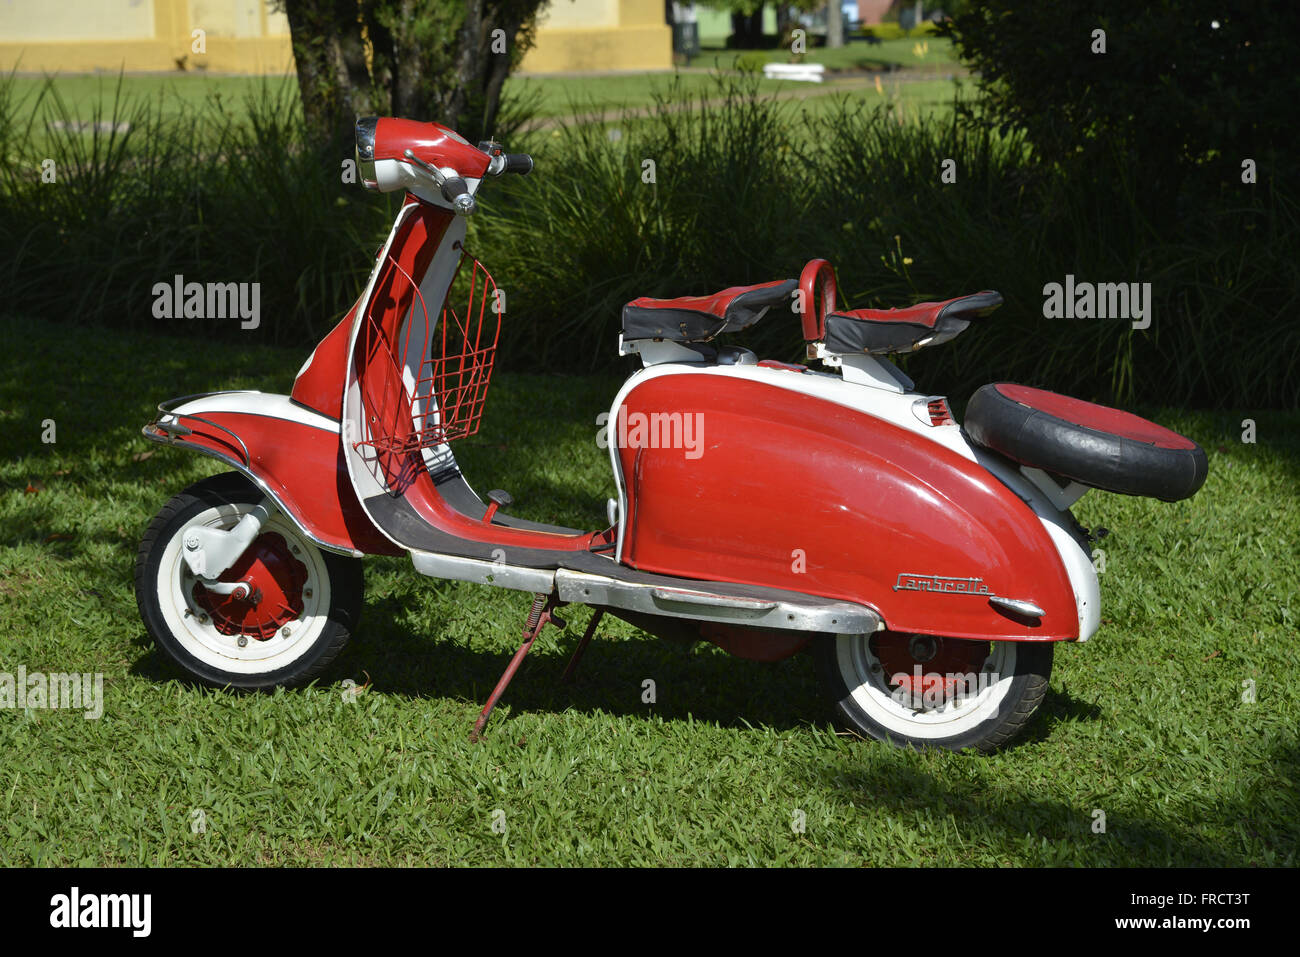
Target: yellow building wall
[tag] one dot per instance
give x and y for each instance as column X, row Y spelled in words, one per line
column 79, row 36
column 583, row 35
column 26, row 21
column 578, row 14
column 245, row 36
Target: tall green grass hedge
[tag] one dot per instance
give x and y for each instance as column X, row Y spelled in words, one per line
column 744, row 189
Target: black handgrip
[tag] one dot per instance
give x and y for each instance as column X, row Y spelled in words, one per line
column 518, row 163
column 452, row 187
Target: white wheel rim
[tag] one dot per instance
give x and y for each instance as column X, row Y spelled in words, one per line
column 191, row 626
column 868, row 683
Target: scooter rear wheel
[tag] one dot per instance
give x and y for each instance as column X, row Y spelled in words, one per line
column 926, row 691
column 298, row 617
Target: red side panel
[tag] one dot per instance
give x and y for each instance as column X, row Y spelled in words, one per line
column 320, row 386
column 788, row 491
column 304, row 467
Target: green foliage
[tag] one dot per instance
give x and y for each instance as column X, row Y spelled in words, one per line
column 746, row 189
column 1185, row 88
column 216, row 194
column 890, row 30
column 443, row 60
column 747, row 7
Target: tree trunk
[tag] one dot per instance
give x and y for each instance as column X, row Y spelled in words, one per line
column 747, row 29
column 417, row 59
column 497, row 71
column 834, row 24
column 738, row 30
column 784, row 23
column 329, row 56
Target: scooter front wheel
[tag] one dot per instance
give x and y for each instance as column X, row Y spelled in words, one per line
column 927, row 691
column 300, row 606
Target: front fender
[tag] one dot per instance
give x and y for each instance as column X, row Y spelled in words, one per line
column 291, row 453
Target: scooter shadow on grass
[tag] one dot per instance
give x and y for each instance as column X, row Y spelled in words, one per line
column 1130, row 838
column 700, row 687
column 696, row 683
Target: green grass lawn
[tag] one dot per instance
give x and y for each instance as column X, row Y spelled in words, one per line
column 1145, row 723
column 172, row 93
column 913, row 53
column 911, row 99
column 907, row 100
column 547, row 96
column 568, row 95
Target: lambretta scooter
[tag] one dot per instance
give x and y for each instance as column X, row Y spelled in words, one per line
column 764, row 506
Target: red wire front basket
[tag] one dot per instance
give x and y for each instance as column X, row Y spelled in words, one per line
column 423, row 387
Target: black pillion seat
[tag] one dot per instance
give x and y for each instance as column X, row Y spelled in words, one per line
column 701, row 318
column 885, row 331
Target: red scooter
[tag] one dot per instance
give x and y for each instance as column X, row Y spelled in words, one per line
column 764, row 506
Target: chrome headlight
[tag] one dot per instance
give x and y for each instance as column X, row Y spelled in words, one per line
column 366, row 151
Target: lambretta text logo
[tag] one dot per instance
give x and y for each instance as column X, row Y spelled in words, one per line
column 1103, row 300
column 655, row 430
column 942, row 584
column 179, row 299
column 75, row 910
column 55, row 691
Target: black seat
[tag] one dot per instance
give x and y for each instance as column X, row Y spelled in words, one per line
column 701, row 318
column 882, row 331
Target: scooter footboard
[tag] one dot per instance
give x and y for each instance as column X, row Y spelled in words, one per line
column 294, row 455
column 718, row 602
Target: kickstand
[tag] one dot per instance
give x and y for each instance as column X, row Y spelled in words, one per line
column 542, row 612
column 582, row 646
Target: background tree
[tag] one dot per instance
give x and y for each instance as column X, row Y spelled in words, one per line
column 747, row 20
column 443, row 60
column 1185, row 90
column 746, row 23
column 834, row 24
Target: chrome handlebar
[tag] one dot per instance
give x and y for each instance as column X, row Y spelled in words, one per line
column 456, row 191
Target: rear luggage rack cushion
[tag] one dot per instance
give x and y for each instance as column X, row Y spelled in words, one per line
column 1087, row 443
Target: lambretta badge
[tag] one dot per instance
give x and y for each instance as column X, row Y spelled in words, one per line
column 942, row 584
